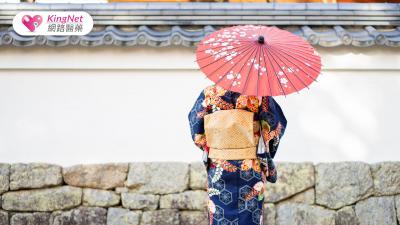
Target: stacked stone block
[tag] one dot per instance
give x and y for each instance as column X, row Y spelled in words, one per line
column 174, row 193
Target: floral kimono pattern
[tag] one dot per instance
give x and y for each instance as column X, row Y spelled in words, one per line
column 236, row 187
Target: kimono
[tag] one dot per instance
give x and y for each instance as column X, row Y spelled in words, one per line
column 236, row 187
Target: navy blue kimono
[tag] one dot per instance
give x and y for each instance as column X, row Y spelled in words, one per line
column 236, row 187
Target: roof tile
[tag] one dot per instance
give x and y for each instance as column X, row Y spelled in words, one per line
column 184, row 36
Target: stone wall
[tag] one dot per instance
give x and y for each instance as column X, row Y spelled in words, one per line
column 164, row 193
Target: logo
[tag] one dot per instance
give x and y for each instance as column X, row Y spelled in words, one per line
column 52, row 23
column 32, row 22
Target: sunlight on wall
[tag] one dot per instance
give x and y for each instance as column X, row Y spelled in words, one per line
column 344, row 117
column 67, row 117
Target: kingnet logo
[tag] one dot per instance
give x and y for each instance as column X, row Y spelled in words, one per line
column 52, row 23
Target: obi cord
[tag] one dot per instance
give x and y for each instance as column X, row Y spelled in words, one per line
column 239, row 162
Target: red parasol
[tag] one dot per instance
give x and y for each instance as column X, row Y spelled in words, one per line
column 258, row 60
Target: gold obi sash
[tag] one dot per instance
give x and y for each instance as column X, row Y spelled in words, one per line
column 230, row 134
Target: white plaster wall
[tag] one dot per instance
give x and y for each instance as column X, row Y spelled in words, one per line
column 70, row 106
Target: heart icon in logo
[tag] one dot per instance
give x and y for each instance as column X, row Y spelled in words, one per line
column 32, row 22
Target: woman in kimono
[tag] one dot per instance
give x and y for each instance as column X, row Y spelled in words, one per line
column 239, row 136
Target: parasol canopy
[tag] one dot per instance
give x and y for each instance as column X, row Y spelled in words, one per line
column 258, row 60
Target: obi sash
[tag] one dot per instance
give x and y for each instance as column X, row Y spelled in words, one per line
column 230, row 134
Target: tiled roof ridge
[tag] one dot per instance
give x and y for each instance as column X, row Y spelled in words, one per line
column 206, row 13
column 322, row 24
column 179, row 36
